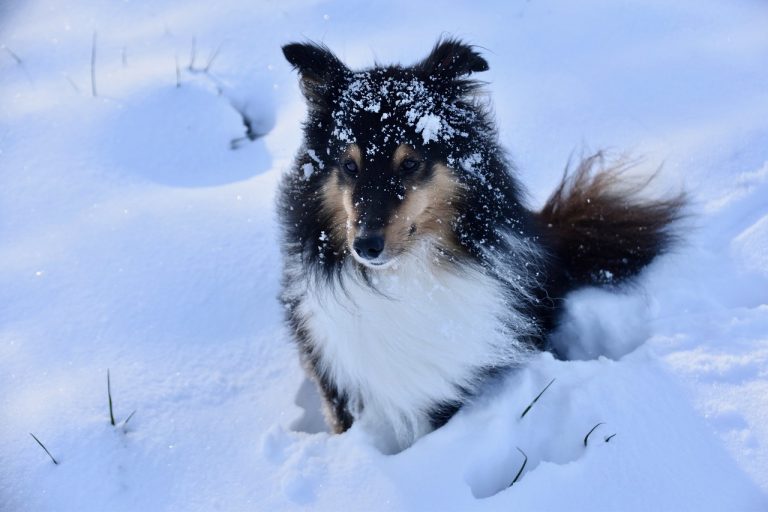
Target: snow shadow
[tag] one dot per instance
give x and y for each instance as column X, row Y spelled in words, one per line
column 602, row 323
column 311, row 420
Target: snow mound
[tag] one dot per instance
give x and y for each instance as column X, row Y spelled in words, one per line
column 147, row 130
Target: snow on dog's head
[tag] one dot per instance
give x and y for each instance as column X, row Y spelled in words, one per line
column 392, row 148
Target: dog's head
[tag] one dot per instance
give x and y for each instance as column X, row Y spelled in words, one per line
column 384, row 144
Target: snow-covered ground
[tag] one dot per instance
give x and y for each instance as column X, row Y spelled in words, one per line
column 133, row 237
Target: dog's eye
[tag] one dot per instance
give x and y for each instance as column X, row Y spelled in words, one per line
column 350, row 166
column 409, row 164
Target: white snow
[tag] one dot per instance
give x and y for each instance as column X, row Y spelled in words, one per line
column 315, row 158
column 133, row 237
column 429, row 126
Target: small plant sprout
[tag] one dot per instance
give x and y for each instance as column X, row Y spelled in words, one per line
column 522, row 467
column 608, row 438
column 109, row 395
column 192, row 68
column 212, row 58
column 536, row 399
column 112, row 421
column 126, row 420
column 586, row 437
column 44, row 448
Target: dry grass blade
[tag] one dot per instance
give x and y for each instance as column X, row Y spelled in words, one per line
column 129, row 418
column 109, row 395
column 212, row 58
column 586, row 437
column 520, row 471
column 44, row 448
column 536, row 399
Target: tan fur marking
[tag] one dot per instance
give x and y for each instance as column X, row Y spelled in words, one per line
column 402, row 152
column 337, row 204
column 430, row 208
column 353, row 152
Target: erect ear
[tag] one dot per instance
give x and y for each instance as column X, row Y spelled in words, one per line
column 452, row 58
column 320, row 70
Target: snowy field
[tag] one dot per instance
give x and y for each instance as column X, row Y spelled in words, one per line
column 137, row 234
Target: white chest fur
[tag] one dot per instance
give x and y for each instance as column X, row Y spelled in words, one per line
column 411, row 343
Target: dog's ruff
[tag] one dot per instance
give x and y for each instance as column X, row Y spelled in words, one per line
column 423, row 336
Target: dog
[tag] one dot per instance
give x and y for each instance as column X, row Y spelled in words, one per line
column 413, row 271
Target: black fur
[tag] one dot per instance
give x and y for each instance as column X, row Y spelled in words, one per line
column 591, row 231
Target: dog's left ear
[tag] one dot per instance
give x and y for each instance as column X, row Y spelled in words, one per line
column 451, row 59
column 320, row 70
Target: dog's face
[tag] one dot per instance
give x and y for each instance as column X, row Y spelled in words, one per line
column 384, row 144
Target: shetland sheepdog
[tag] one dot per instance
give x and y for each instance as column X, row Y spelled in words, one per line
column 413, row 270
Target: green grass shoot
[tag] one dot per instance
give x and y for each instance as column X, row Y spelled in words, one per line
column 586, row 437
column 520, row 471
column 536, row 399
column 44, row 448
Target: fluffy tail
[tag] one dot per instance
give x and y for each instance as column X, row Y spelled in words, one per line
column 601, row 230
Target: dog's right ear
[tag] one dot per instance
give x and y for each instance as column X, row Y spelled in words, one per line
column 321, row 72
column 452, row 59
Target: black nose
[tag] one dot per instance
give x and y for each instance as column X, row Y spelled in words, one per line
column 369, row 247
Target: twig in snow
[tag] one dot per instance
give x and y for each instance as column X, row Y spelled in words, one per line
column 44, row 448
column 520, row 471
column 536, row 399
column 586, row 437
column 19, row 62
column 109, row 394
column 250, row 133
column 608, row 439
column 93, row 68
column 212, row 58
column 128, row 418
